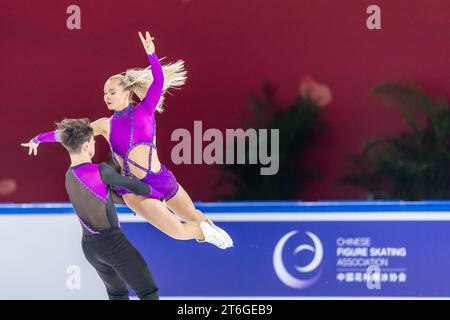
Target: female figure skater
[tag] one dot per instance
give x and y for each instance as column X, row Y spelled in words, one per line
column 130, row 132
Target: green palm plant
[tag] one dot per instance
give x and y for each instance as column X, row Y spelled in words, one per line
column 298, row 123
column 414, row 165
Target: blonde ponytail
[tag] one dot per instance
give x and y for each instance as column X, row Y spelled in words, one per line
column 138, row 80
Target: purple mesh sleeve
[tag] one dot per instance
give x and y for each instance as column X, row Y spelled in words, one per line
column 154, row 92
column 51, row 136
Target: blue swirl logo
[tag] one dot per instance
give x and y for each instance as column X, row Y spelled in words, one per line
column 284, row 275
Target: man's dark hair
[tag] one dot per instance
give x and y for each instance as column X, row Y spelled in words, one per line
column 74, row 132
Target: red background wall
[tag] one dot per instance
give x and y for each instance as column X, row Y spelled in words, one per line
column 229, row 47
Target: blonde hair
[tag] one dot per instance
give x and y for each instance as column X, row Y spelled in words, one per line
column 138, row 80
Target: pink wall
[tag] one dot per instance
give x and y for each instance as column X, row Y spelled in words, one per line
column 230, row 47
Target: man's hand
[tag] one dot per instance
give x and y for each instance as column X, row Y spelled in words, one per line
column 33, row 146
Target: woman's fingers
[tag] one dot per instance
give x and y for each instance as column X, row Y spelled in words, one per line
column 142, row 38
column 147, row 42
column 148, row 37
column 35, row 151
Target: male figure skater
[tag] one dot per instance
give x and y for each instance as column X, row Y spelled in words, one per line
column 105, row 246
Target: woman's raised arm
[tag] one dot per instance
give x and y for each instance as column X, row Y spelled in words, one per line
column 154, row 92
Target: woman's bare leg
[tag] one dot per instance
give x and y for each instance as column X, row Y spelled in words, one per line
column 182, row 205
column 155, row 212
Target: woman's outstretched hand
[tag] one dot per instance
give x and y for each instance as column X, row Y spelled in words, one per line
column 147, row 42
column 33, row 146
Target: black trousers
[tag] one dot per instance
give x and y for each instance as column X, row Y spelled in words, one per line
column 119, row 263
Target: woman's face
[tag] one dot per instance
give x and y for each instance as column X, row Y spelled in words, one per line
column 115, row 97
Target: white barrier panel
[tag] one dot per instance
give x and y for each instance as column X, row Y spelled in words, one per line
column 41, row 258
column 287, row 250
